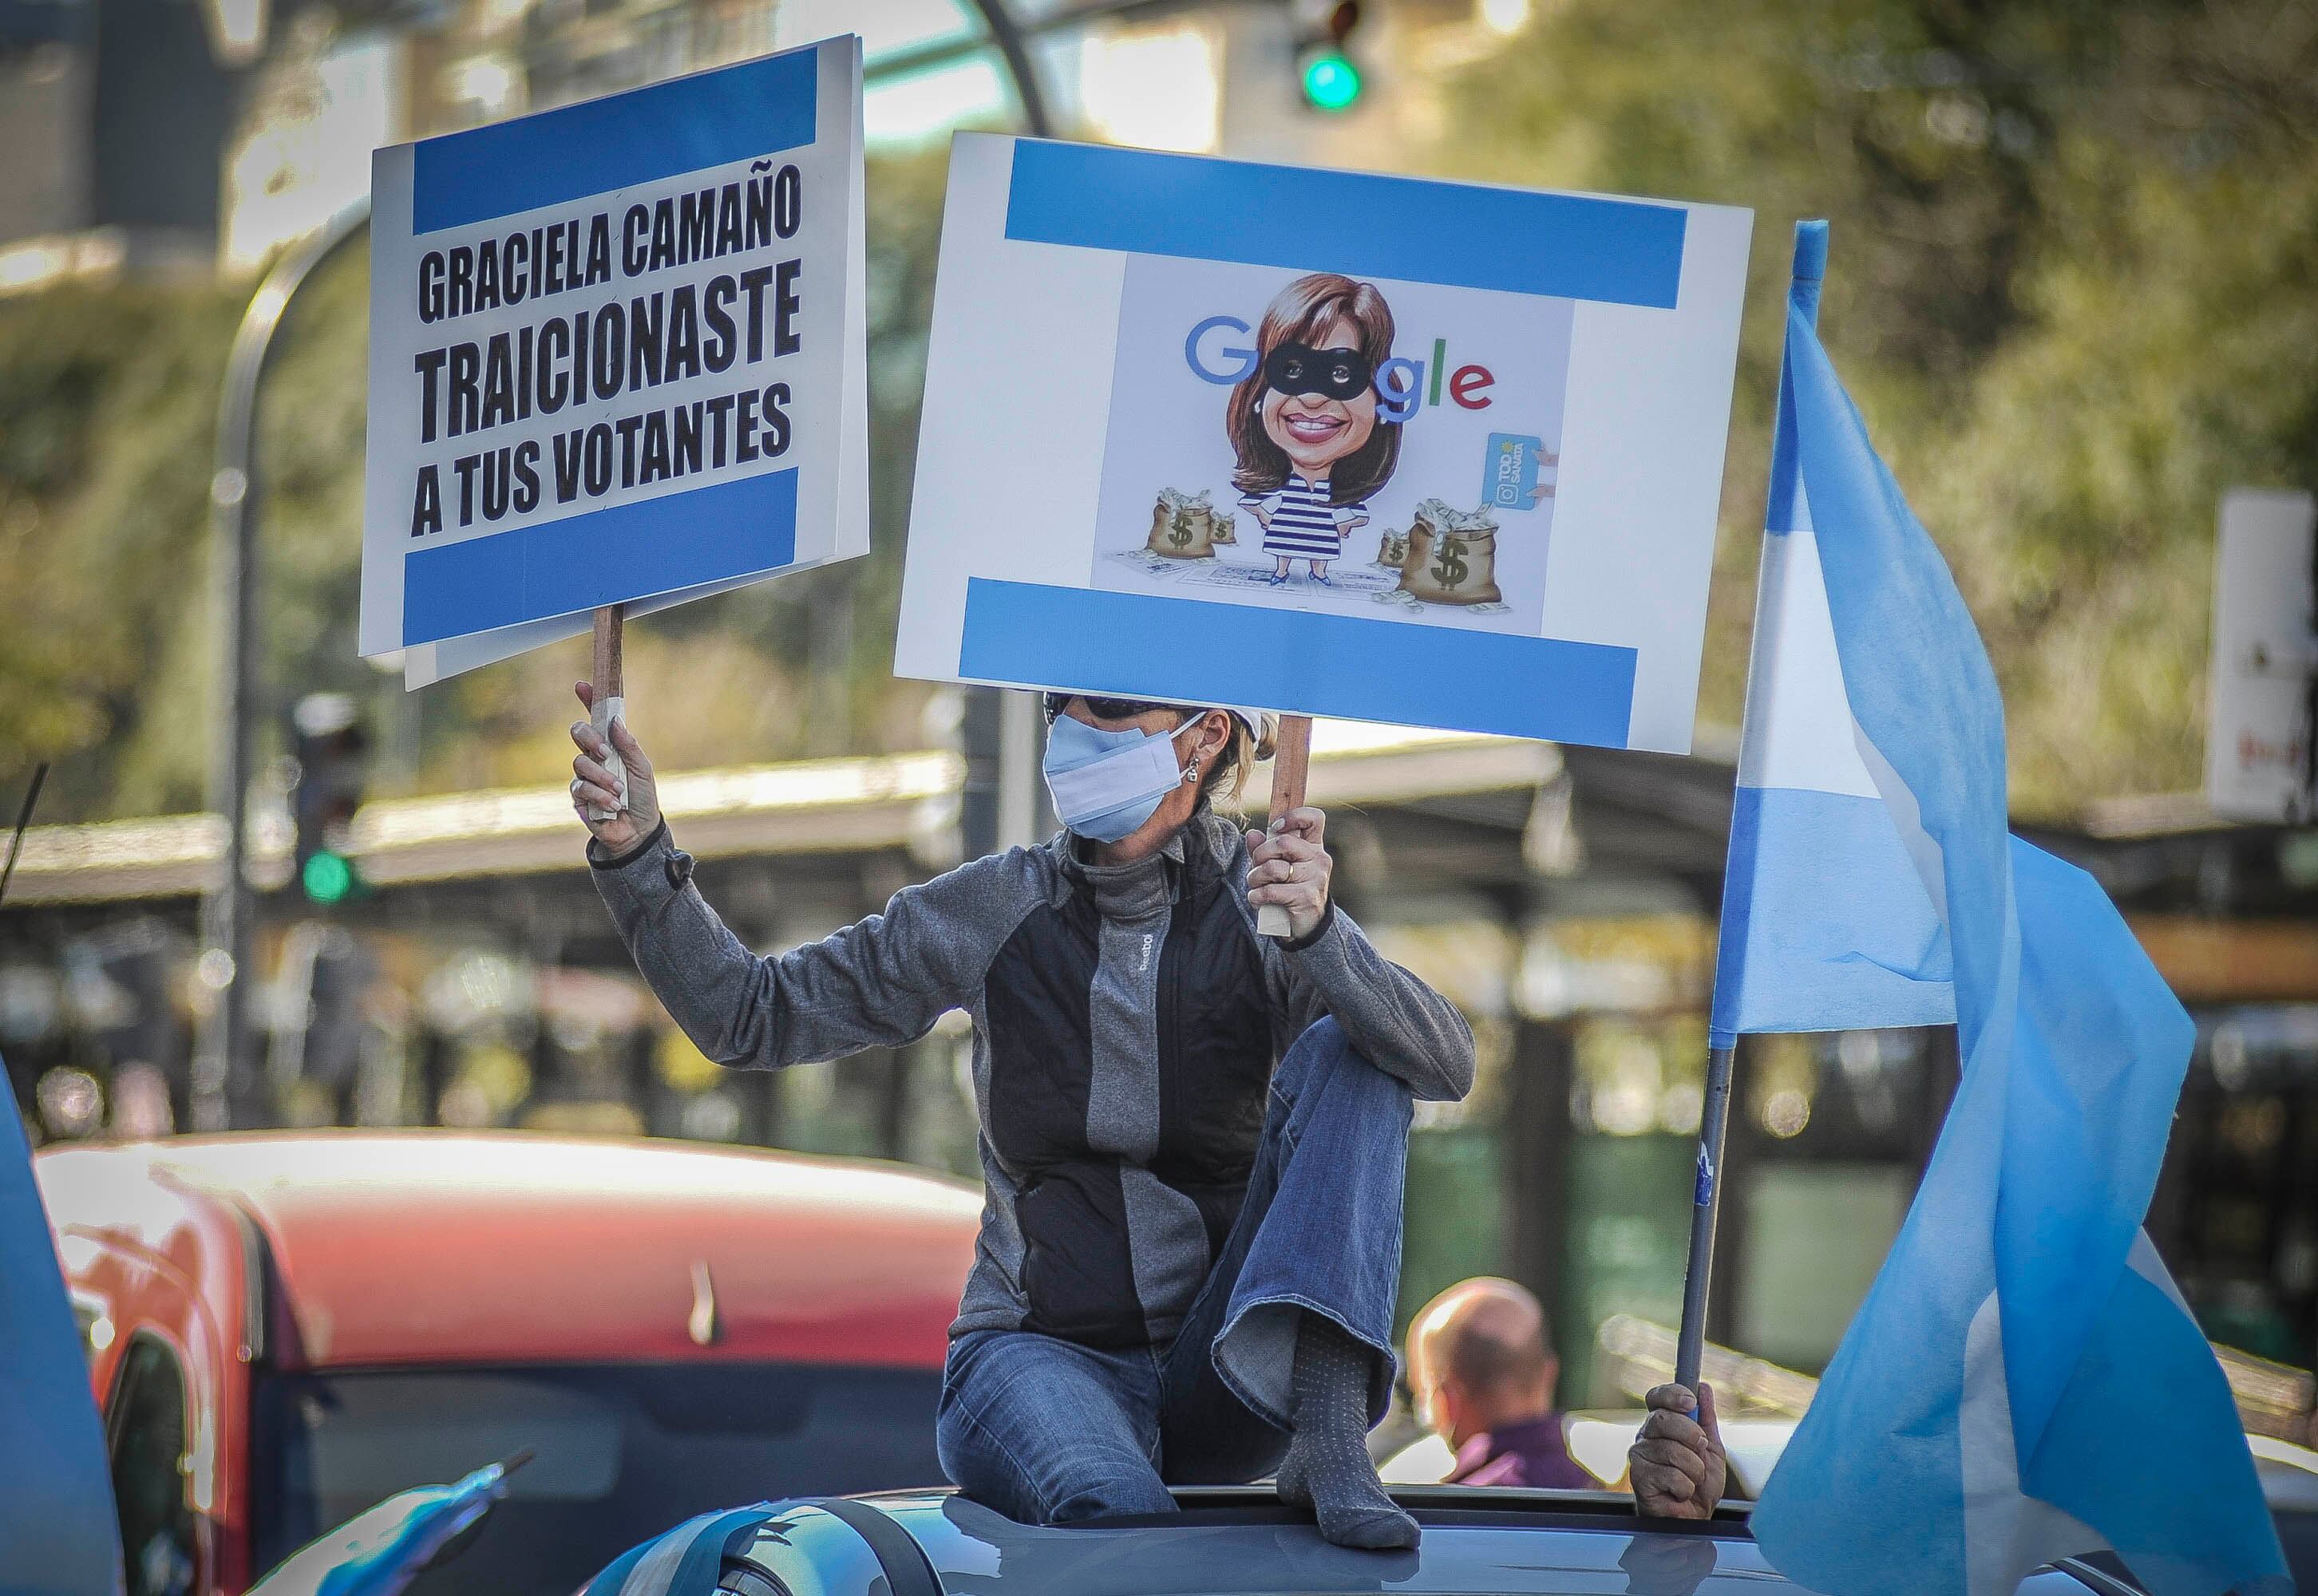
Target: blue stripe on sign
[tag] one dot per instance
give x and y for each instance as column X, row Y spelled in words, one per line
column 1826, row 925
column 711, row 118
column 606, row 555
column 1577, row 246
column 1137, row 646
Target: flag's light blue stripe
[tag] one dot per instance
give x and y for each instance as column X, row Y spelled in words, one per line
column 2084, row 1134
column 1785, row 511
column 1577, row 246
column 711, row 118
column 2197, row 1523
column 1138, row 646
column 606, row 555
column 1832, row 930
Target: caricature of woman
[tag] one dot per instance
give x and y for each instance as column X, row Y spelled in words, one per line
column 1304, row 423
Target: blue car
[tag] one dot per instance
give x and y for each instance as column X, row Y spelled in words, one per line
column 1237, row 1541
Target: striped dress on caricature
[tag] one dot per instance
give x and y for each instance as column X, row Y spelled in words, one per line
column 1304, row 524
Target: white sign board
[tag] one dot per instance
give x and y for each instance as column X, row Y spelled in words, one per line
column 1331, row 442
column 617, row 356
column 2265, row 652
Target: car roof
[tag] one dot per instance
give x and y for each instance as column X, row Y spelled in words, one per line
column 1241, row 1539
column 412, row 1247
column 1244, row 1539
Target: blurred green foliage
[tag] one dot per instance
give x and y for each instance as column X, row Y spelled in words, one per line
column 106, row 401
column 2072, row 282
column 2073, row 285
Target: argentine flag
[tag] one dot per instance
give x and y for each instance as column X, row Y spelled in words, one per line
column 380, row 1551
column 58, row 1533
column 2023, row 1382
column 1826, row 923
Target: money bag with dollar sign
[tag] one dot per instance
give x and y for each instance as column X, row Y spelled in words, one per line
column 1452, row 556
column 1185, row 527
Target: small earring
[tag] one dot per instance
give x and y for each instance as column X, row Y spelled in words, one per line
column 1192, row 772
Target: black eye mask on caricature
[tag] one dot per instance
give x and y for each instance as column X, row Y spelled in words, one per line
column 1298, row 368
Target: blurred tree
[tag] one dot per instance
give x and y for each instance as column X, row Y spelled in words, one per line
column 2071, row 282
column 106, row 403
column 2074, row 245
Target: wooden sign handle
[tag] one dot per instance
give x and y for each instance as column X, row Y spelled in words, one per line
column 1292, row 762
column 610, row 702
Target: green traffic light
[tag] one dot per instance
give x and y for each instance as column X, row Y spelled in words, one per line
column 328, row 877
column 1331, row 82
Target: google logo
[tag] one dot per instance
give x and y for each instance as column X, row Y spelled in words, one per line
column 1402, row 385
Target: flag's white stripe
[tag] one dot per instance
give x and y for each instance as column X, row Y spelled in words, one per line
column 1908, row 816
column 2142, row 1260
column 2006, row 1533
column 1797, row 729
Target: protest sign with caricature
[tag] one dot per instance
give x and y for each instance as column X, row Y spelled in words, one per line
column 1335, row 443
column 616, row 357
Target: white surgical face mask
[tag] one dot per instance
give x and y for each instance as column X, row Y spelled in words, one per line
column 1107, row 784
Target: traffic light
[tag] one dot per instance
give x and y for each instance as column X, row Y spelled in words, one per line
column 1324, row 67
column 333, row 755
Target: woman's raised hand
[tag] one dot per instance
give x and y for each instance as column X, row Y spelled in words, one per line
column 594, row 789
column 1289, row 867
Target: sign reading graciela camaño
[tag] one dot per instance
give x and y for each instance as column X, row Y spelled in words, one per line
column 1330, row 443
column 617, row 356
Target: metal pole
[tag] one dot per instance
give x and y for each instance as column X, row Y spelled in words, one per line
column 941, row 52
column 1000, row 731
column 2308, row 805
column 1705, row 1207
column 23, row 823
column 224, row 1089
column 1007, row 37
column 1021, row 821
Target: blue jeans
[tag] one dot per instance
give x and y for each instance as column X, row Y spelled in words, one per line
column 1046, row 1431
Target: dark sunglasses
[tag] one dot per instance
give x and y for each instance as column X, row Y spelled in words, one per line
column 1298, row 368
column 1104, row 709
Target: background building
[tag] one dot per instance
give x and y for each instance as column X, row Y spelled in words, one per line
column 116, row 116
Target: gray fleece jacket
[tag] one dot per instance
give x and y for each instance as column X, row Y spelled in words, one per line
column 1126, row 1019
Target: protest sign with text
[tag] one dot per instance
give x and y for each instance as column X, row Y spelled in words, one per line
column 1335, row 444
column 617, row 356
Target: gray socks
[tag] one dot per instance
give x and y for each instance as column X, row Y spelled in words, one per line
column 1327, row 1467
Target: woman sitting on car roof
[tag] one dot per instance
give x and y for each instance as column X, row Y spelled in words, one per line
column 1193, row 1136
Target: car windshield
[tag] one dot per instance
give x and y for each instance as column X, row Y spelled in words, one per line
column 622, row 1453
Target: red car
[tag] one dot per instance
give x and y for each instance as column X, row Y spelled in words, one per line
column 284, row 1329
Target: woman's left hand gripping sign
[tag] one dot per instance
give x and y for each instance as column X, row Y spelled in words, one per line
column 1290, row 867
